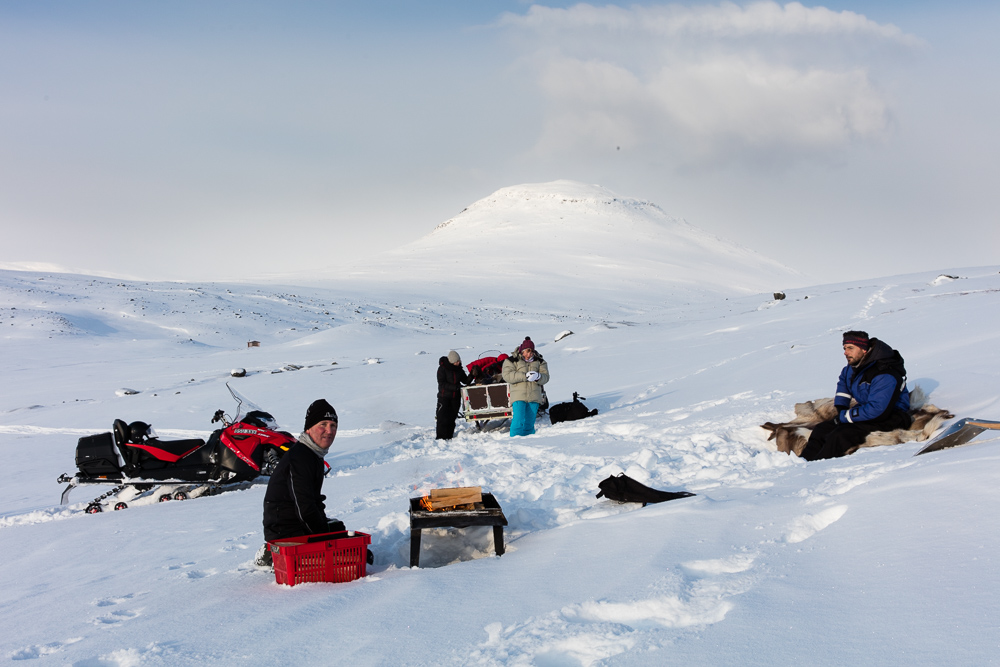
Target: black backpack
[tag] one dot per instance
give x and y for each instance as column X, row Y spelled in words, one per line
column 567, row 412
column 624, row 489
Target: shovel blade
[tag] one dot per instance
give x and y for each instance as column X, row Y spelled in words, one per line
column 959, row 433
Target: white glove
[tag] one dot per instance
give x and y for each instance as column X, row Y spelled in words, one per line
column 532, row 376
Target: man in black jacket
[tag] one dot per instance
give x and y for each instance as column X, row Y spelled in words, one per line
column 293, row 503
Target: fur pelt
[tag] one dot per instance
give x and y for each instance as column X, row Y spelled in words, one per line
column 791, row 436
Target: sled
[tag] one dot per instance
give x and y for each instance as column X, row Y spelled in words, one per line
column 486, row 401
column 960, row 433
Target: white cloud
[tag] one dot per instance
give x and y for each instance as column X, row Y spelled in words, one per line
column 709, row 83
column 724, row 20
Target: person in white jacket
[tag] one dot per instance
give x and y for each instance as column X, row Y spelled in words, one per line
column 525, row 371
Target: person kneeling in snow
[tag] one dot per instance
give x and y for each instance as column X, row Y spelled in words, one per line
column 525, row 371
column 293, row 504
column 876, row 379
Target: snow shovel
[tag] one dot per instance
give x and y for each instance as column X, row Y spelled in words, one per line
column 960, row 433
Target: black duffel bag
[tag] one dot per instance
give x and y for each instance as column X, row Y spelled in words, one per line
column 624, row 489
column 568, row 412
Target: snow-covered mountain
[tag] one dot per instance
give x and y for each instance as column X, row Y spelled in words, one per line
column 564, row 235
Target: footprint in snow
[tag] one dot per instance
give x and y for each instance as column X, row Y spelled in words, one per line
column 244, row 536
column 238, row 543
column 851, row 477
column 199, row 574
column 804, row 527
column 729, row 565
column 592, row 631
column 39, row 650
column 179, row 566
column 589, row 632
column 111, row 601
column 115, row 618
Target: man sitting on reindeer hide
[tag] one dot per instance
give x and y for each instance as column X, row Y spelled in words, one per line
column 876, row 380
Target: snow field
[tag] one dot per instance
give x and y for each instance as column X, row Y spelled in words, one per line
column 775, row 561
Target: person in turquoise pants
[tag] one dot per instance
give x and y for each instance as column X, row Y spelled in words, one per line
column 525, row 371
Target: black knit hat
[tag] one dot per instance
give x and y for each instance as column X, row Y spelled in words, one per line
column 858, row 339
column 319, row 411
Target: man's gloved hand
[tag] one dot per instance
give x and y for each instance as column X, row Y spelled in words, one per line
column 532, row 376
column 836, row 417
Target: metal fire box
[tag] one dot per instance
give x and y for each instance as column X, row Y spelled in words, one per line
column 486, row 513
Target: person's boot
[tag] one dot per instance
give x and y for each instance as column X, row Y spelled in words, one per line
column 263, row 557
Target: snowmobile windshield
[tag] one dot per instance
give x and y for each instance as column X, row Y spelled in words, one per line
column 272, row 424
column 262, row 419
column 255, row 415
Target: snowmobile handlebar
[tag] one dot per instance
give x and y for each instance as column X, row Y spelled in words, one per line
column 220, row 416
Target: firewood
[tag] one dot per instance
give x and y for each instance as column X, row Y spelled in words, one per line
column 463, row 495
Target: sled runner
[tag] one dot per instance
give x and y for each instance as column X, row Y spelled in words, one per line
column 132, row 458
column 959, row 433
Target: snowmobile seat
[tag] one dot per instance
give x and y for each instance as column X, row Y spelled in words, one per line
column 121, row 433
column 130, row 457
column 169, row 450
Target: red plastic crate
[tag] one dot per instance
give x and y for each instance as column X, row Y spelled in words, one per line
column 332, row 557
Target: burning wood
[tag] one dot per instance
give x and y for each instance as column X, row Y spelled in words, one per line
column 462, row 497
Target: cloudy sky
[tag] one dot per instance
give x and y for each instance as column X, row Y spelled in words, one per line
column 209, row 140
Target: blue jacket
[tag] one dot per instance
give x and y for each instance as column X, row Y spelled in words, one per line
column 878, row 385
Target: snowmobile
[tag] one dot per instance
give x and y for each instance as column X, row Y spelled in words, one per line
column 136, row 462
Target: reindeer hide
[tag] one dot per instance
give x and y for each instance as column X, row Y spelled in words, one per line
column 791, row 436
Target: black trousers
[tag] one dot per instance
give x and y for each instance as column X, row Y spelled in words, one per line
column 447, row 409
column 830, row 440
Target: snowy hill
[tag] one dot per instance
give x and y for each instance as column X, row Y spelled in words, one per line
column 880, row 557
column 559, row 236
